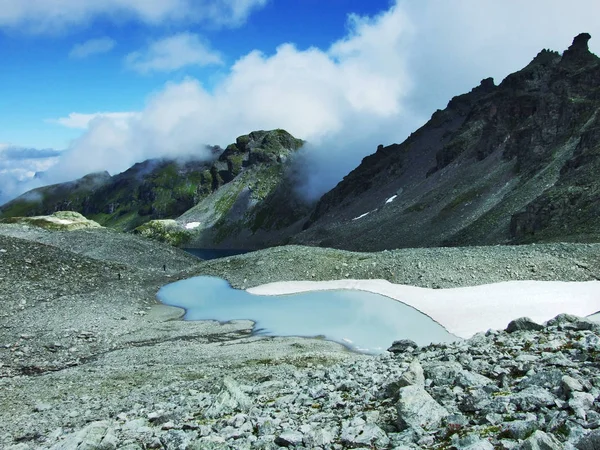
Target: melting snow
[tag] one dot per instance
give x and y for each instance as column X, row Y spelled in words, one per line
column 192, row 225
column 391, row 199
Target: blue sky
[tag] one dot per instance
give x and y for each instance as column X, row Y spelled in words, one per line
column 41, row 81
column 171, row 75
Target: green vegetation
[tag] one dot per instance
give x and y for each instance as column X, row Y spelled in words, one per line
column 167, row 231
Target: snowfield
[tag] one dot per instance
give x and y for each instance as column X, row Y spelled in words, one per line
column 465, row 311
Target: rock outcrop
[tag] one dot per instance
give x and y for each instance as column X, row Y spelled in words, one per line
column 59, row 221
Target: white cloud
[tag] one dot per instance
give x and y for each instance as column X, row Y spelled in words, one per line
column 19, row 166
column 82, row 121
column 373, row 86
column 92, row 47
column 172, row 53
column 49, row 16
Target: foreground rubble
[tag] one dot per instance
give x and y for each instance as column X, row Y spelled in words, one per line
column 528, row 389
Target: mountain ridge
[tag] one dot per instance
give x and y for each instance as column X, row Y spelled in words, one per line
column 158, row 189
column 478, row 171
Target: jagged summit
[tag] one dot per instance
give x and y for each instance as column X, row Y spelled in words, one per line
column 579, row 45
column 579, row 52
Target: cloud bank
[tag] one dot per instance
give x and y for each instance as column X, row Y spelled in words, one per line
column 18, row 167
column 51, row 16
column 373, row 86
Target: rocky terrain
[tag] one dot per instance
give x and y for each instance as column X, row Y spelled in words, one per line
column 507, row 163
column 90, row 360
column 530, row 387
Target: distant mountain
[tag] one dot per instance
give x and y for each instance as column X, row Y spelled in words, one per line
column 512, row 163
column 232, row 192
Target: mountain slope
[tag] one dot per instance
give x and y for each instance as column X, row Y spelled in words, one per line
column 502, row 164
column 149, row 190
column 154, row 190
column 258, row 208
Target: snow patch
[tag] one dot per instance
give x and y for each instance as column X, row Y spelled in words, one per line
column 361, row 216
column 192, row 225
column 59, row 221
column 391, row 199
column 468, row 310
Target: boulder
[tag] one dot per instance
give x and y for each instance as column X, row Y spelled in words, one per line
column 365, row 435
column 523, row 324
column 590, row 441
column 95, row 436
column 403, row 346
column 541, row 441
column 417, row 409
column 289, row 438
column 413, row 375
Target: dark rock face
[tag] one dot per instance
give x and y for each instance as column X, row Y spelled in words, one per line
column 512, row 163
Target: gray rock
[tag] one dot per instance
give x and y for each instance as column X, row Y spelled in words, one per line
column 581, row 403
column 519, row 429
column 412, row 375
column 476, row 400
column 471, row 442
column 571, row 322
column 523, row 324
column 442, row 373
column 95, row 436
column 570, row 385
column 230, row 399
column 320, row 437
column 590, row 441
column 403, row 346
column 468, row 379
column 590, row 342
column 417, row 409
column 549, row 378
column 541, row 441
column 288, row 438
column 367, row 434
column 533, row 398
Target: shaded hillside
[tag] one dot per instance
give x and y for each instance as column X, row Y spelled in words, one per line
column 502, row 164
column 165, row 189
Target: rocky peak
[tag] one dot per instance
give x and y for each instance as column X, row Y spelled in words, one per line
column 544, row 58
column 257, row 147
column 463, row 103
column 487, row 85
column 579, row 51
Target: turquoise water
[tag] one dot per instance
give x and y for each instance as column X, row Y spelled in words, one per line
column 362, row 321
